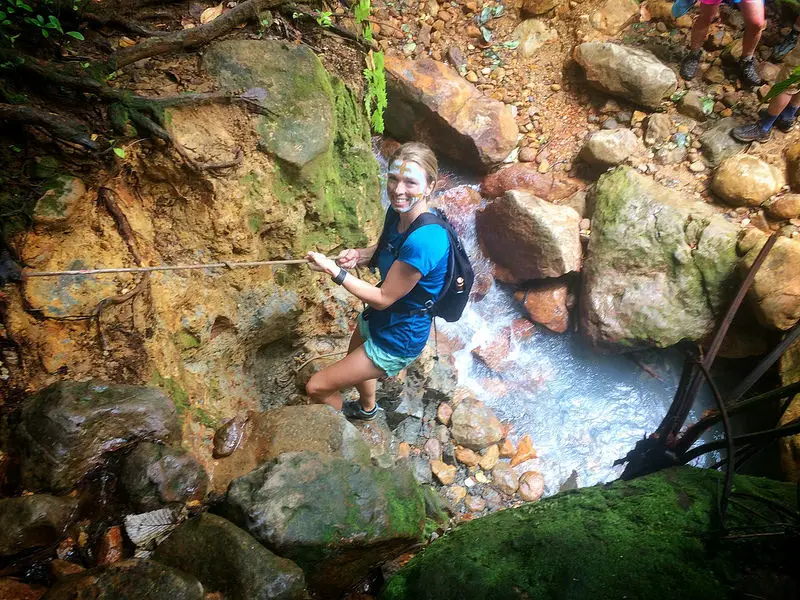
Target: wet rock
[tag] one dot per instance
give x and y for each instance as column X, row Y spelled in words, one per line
column 490, row 457
column 443, row 413
column 495, row 353
column 154, row 476
column 33, row 521
column 420, row 469
column 12, row 589
column 790, row 445
column 475, row 425
column 530, row 237
column 432, row 103
column 526, row 177
column 228, row 436
column 334, row 517
column 317, row 428
column 379, row 438
column 61, row 568
column 717, row 142
column 459, row 204
column 784, row 207
column 474, row 504
column 745, row 180
column 453, row 495
column 466, row 456
column 531, row 486
column 446, row 474
column 59, row 203
column 546, row 304
column 609, row 148
column 775, row 293
column 110, row 549
column 793, row 166
column 538, row 7
column 629, row 73
column 522, row 329
column 694, row 104
column 229, row 560
column 505, row 479
column 613, row 16
column 409, row 430
column 67, row 429
column 128, row 579
column 658, row 129
column 651, row 242
column 525, row 451
column 507, row 449
column 433, row 448
column 532, row 34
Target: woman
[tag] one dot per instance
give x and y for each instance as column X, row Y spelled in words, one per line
column 388, row 339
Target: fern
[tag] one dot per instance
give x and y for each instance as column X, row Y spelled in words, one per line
column 375, row 97
column 782, row 86
column 361, row 12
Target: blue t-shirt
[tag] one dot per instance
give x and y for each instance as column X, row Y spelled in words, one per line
column 427, row 250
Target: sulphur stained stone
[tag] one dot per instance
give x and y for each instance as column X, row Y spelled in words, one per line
column 745, row 180
column 505, row 479
column 507, row 449
column 446, row 474
column 466, row 456
column 475, row 425
column 490, row 457
column 443, row 413
column 784, row 207
column 474, row 504
column 546, row 304
column 531, row 486
column 525, row 451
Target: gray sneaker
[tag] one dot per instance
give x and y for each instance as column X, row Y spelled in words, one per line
column 690, row 64
column 354, row 410
column 750, row 133
column 749, row 74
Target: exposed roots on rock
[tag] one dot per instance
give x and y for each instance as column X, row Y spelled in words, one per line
column 122, row 24
column 61, row 127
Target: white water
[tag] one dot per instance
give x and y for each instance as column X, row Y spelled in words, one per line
column 582, row 409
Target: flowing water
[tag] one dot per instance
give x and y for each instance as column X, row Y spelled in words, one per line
column 582, row 409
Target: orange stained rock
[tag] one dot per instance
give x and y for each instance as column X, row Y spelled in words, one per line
column 467, row 456
column 507, row 449
column 525, row 451
column 110, row 550
column 445, row 473
column 403, row 450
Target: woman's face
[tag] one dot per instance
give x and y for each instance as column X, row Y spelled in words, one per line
column 407, row 185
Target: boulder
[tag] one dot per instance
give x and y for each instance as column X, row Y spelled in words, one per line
column 13, row 589
column 793, row 166
column 784, row 207
column 316, row 428
column 520, row 176
column 431, row 103
column 746, row 180
column 474, row 425
column 538, row 7
column 790, row 445
column 629, row 73
column 613, row 16
column 546, row 303
column 128, row 579
column 58, row 204
column 33, row 521
column 336, row 518
column 649, row 242
column 530, row 237
column 67, row 429
column 229, row 560
column 532, row 34
column 717, row 143
column 609, row 148
column 631, row 539
column 775, row 293
column 154, row 476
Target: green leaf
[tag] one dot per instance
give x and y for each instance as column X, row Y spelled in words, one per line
column 678, row 95
column 40, row 19
column 2, row 15
column 78, row 36
column 498, row 10
column 23, row 6
column 511, row 45
column 487, row 35
column 45, row 33
column 784, row 85
column 486, row 14
column 119, row 152
column 708, row 106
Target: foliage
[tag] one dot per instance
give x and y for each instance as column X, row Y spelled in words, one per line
column 782, row 86
column 26, row 17
column 361, row 14
column 324, row 18
column 375, row 97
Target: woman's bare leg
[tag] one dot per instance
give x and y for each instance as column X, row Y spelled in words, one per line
column 366, row 389
column 354, row 369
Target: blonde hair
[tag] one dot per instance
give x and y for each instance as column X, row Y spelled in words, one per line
column 420, row 154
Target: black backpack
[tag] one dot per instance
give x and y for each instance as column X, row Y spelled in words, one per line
column 458, row 282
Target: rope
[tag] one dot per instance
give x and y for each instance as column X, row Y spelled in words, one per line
column 217, row 265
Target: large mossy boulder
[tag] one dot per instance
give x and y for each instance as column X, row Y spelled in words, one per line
column 33, row 521
column 125, row 580
column 229, row 560
column 661, row 267
column 69, row 428
column 635, row 539
column 790, row 446
column 334, row 517
column 316, row 129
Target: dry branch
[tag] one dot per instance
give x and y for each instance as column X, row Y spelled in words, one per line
column 190, row 38
column 60, row 127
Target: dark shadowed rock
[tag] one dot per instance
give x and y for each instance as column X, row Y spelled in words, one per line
column 229, row 560
column 154, row 475
column 33, row 521
column 334, row 517
column 68, row 428
column 128, row 580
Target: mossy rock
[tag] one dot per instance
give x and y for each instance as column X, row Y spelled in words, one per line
column 652, row 538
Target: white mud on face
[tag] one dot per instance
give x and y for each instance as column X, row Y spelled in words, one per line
column 582, row 409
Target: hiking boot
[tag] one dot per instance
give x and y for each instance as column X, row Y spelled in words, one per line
column 750, row 133
column 690, row 64
column 681, row 7
column 749, row 74
column 784, row 124
column 783, row 47
column 354, row 410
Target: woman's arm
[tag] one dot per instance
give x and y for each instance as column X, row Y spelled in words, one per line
column 355, row 257
column 400, row 280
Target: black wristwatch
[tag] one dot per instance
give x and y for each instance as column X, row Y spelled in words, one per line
column 339, row 278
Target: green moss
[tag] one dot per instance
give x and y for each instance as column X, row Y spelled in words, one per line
column 181, row 400
column 637, row 539
column 185, row 340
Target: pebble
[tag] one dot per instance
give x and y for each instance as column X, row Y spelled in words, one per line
column 486, row 70
column 610, row 124
column 467, row 456
column 505, row 479
column 481, row 477
column 544, row 166
column 555, row 87
column 455, row 494
column 475, row 504
column 444, row 412
column 697, row 166
column 433, row 448
column 490, row 457
column 507, row 449
column 525, row 451
column 445, row 473
column 472, row 77
column 403, row 450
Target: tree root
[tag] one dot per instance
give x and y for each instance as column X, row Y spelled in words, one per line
column 190, row 38
column 60, row 127
column 122, row 24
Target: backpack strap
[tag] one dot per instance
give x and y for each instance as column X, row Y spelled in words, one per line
column 390, row 217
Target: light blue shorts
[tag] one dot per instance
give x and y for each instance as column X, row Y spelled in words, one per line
column 389, row 363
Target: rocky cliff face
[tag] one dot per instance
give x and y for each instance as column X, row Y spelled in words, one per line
column 303, row 177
